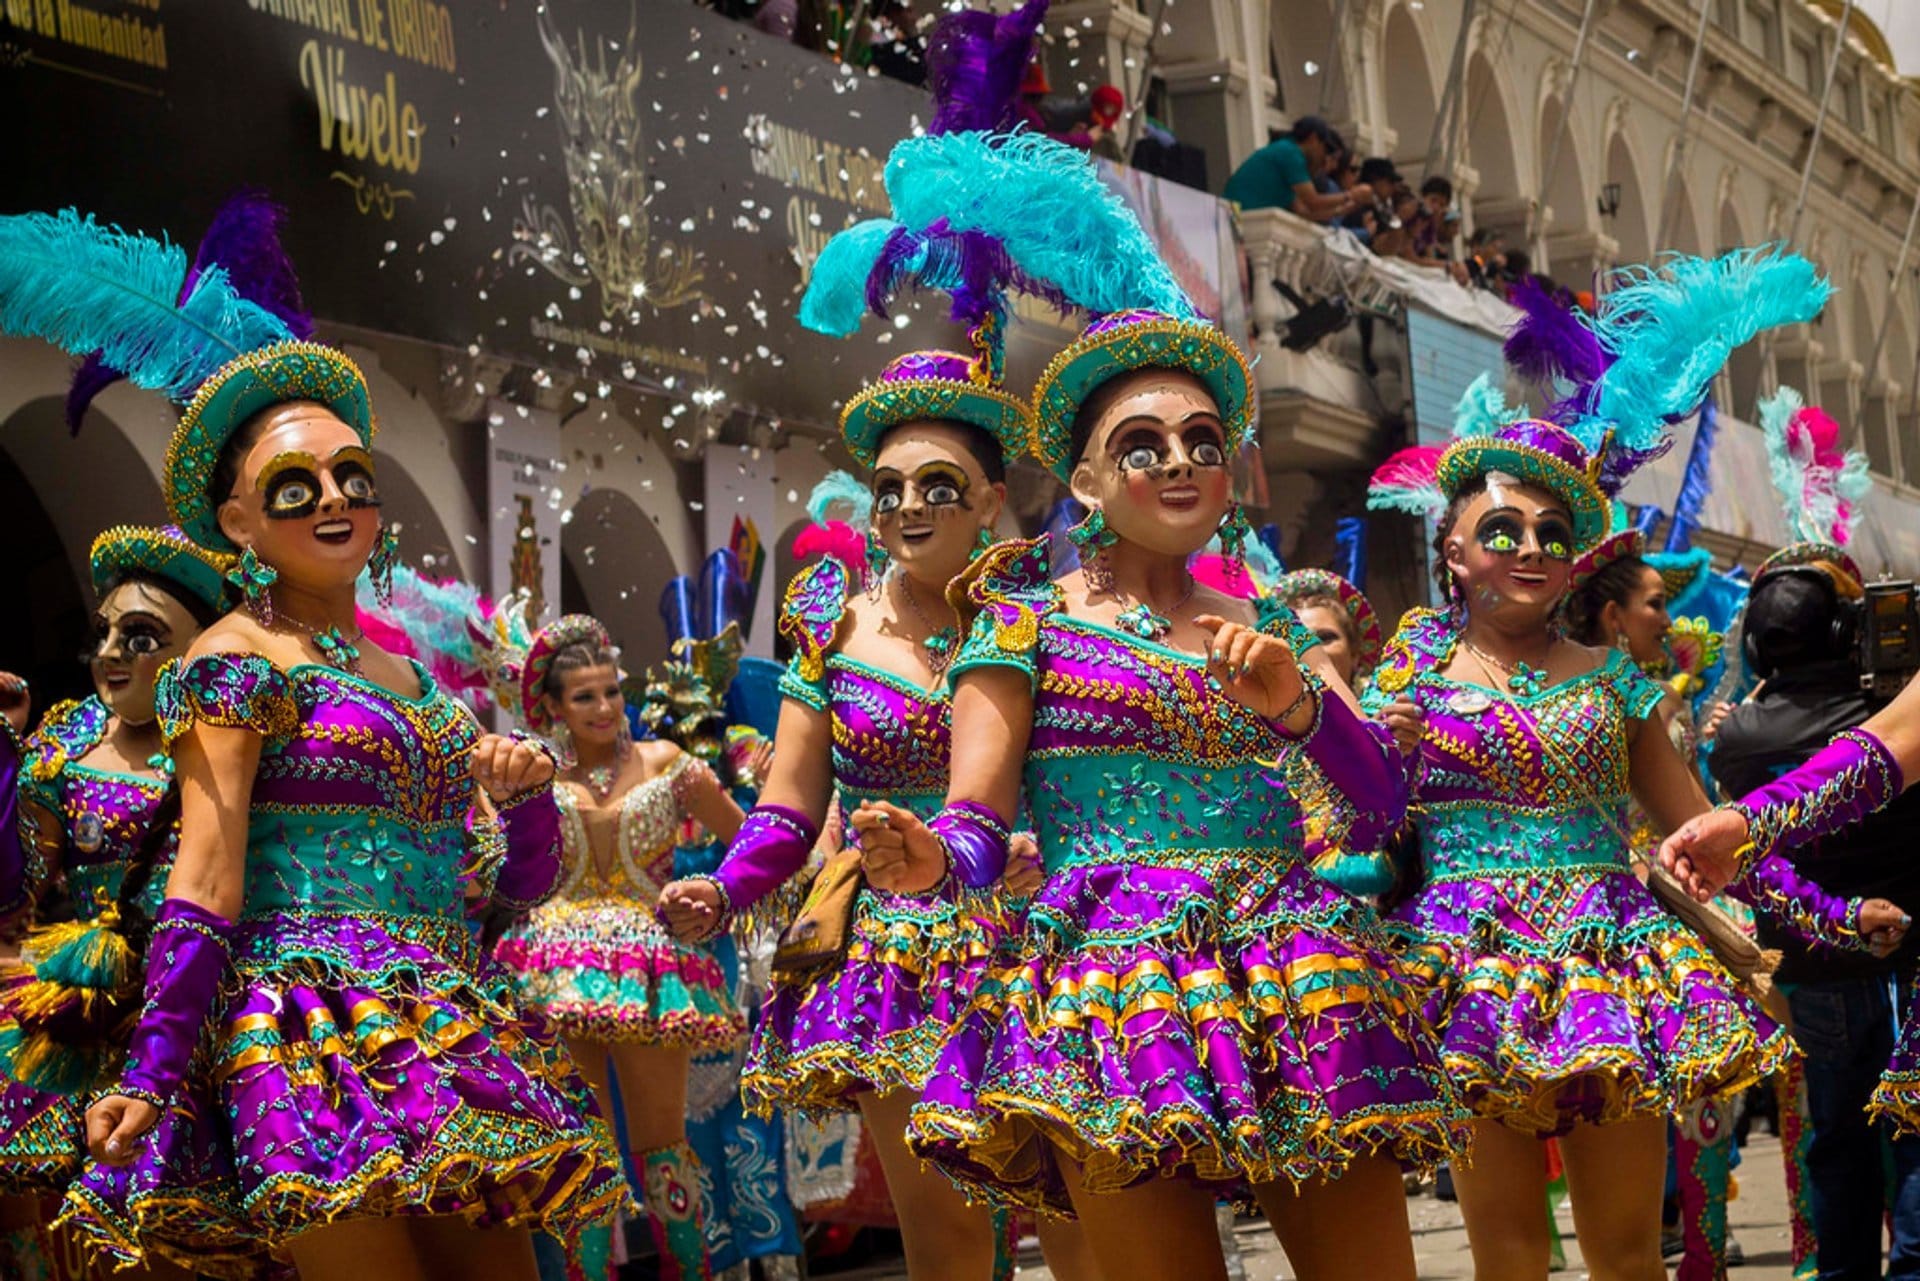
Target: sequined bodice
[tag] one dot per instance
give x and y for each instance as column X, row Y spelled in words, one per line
column 1515, row 784
column 1136, row 750
column 105, row 814
column 361, row 798
column 890, row 740
column 646, row 828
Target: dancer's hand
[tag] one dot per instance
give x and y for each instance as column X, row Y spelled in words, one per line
column 689, row 909
column 1883, row 925
column 1406, row 720
column 899, row 853
column 1254, row 669
column 1710, row 728
column 506, row 767
column 115, row 1124
column 1704, row 855
column 16, row 701
column 1024, row 874
column 760, row 763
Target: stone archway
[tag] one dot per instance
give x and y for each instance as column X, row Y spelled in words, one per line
column 59, row 492
column 617, row 555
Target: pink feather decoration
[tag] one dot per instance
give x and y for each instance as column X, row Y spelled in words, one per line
column 833, row 538
column 1408, row 481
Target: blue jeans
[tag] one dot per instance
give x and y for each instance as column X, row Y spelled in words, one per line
column 1846, row 1030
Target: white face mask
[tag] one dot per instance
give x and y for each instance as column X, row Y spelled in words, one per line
column 1499, row 485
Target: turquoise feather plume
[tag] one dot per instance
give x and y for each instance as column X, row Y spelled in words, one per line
column 840, row 489
column 1671, row 327
column 86, row 287
column 1483, row 410
column 1044, row 201
column 836, row 299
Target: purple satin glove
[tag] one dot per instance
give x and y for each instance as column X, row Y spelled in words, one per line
column 1846, row 780
column 530, row 864
column 13, row 850
column 975, row 839
column 1822, row 920
column 1358, row 756
column 186, row 959
column 771, row 845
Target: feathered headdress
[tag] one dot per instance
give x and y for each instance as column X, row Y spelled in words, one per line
column 1820, row 484
column 136, row 305
column 129, row 301
column 934, row 241
column 1624, row 377
column 242, row 240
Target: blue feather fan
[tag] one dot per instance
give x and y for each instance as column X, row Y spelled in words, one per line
column 86, row 288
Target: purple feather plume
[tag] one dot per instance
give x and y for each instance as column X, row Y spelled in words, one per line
column 971, row 266
column 1619, row 464
column 244, row 240
column 1548, row 341
column 976, row 60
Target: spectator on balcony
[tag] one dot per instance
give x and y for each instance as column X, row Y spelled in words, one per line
column 1281, row 175
column 1382, row 216
column 1487, row 259
column 1089, row 123
column 1430, row 230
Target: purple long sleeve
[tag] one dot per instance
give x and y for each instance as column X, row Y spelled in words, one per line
column 1846, row 780
column 976, row 841
column 771, row 845
column 1774, row 886
column 13, row 849
column 186, row 959
column 530, row 867
column 1364, row 765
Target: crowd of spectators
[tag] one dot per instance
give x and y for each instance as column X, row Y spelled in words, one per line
column 1312, row 172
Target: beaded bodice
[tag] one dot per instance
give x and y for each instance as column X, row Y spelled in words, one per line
column 1135, row 754
column 104, row 814
column 891, row 740
column 361, row 798
column 1516, row 783
column 646, row 829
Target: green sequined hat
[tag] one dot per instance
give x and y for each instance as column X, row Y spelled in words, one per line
column 258, row 380
column 933, row 386
column 1120, row 342
column 1540, row 453
column 164, row 552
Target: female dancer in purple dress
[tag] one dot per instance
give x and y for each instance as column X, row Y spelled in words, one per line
column 92, row 815
column 1185, row 1008
column 368, row 1091
column 865, row 719
column 325, row 1067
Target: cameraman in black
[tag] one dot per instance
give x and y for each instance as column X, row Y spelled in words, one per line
column 1801, row 640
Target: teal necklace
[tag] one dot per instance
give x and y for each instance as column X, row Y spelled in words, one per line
column 337, row 650
column 1522, row 677
column 940, row 643
column 1138, row 619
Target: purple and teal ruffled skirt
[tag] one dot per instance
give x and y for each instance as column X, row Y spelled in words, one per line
column 879, row 1019
column 1229, row 1020
column 1571, row 995
column 358, row 1066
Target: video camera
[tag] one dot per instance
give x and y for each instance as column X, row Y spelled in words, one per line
column 1889, row 638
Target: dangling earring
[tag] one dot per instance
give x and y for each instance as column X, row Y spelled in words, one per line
column 1456, row 602
column 254, row 577
column 1092, row 537
column 562, row 739
column 876, row 565
column 1621, row 643
column 984, row 541
column 1234, row 533
column 380, row 566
